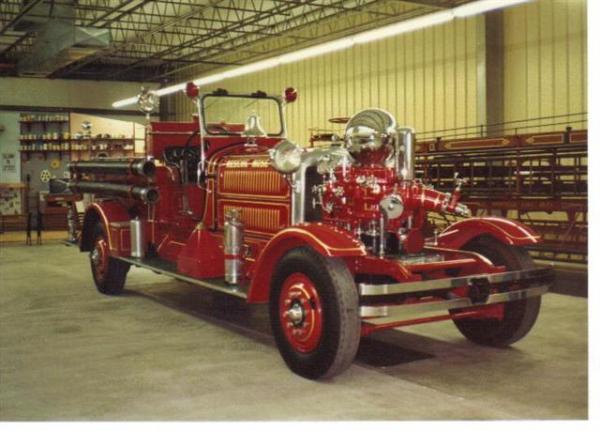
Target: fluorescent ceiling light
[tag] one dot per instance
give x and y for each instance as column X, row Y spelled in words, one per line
column 482, row 6
column 211, row 79
column 316, row 50
column 251, row 68
column 169, row 90
column 413, row 24
column 125, row 102
column 409, row 25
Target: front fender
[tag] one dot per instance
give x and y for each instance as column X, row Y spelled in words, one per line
column 105, row 212
column 324, row 239
column 504, row 230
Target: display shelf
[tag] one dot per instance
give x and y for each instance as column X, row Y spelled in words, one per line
column 26, row 154
column 42, row 121
column 45, row 140
column 88, row 150
column 44, row 118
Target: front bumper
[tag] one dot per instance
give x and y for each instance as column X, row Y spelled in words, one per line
column 484, row 289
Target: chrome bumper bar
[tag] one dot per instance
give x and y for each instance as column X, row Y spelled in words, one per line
column 382, row 314
column 529, row 275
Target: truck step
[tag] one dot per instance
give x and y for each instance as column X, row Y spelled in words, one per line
column 169, row 269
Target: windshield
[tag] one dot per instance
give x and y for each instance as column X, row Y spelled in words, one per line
column 228, row 115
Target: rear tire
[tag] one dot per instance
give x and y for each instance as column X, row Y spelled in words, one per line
column 314, row 314
column 519, row 316
column 109, row 273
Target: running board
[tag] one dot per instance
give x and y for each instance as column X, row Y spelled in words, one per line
column 163, row 268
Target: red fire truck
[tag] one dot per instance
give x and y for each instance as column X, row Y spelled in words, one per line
column 335, row 239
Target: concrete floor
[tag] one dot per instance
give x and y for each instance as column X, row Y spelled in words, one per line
column 169, row 351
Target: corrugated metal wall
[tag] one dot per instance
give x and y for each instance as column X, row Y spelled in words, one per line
column 428, row 79
column 545, row 59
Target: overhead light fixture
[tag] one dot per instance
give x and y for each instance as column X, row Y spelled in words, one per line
column 409, row 25
column 125, row 102
column 251, row 68
column 169, row 90
column 314, row 51
column 482, row 6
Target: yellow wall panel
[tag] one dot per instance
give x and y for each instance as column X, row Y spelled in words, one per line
column 471, row 71
column 545, row 61
column 428, row 78
column 410, row 80
column 460, row 56
column 422, row 78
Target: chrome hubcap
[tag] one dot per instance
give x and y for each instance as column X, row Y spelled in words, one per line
column 95, row 256
column 295, row 314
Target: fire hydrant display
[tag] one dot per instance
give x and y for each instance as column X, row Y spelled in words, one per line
column 333, row 238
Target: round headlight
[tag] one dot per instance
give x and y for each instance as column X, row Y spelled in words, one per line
column 286, row 157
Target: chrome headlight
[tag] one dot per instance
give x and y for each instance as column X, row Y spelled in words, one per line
column 286, row 157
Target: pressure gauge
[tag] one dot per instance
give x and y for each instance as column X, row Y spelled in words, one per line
column 392, row 206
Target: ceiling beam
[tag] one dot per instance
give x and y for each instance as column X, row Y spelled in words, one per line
column 18, row 16
column 139, row 36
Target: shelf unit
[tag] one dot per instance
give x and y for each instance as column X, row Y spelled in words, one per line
column 44, row 133
column 49, row 134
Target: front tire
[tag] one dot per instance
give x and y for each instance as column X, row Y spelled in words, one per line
column 314, row 314
column 109, row 273
column 518, row 316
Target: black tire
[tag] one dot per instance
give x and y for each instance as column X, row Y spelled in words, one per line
column 334, row 302
column 110, row 278
column 519, row 316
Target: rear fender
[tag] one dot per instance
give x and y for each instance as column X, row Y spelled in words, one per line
column 504, row 230
column 105, row 212
column 325, row 240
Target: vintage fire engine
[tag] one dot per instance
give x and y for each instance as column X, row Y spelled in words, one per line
column 334, row 239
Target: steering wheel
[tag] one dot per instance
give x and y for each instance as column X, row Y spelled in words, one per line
column 186, row 156
column 188, row 142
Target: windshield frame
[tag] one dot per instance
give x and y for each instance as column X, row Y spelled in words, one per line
column 277, row 100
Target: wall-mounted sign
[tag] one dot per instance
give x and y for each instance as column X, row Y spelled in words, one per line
column 9, row 162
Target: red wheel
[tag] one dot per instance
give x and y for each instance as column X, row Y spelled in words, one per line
column 99, row 259
column 301, row 314
column 109, row 273
column 314, row 313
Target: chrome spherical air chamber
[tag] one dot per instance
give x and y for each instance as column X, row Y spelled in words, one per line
column 372, row 137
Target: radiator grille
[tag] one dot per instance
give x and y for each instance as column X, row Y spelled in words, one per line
column 258, row 219
column 253, row 182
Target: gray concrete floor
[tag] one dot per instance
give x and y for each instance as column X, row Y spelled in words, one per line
column 166, row 351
